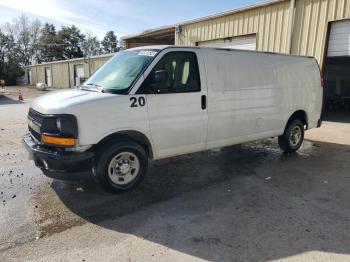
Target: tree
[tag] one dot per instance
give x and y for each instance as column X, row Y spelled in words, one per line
column 12, row 70
column 110, row 43
column 6, row 45
column 25, row 34
column 10, row 66
column 70, row 40
column 48, row 44
column 91, row 46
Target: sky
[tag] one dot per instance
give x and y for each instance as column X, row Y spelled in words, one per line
column 125, row 17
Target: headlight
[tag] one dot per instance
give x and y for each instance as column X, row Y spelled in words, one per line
column 59, row 130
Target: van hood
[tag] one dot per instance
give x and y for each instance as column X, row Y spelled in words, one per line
column 63, row 102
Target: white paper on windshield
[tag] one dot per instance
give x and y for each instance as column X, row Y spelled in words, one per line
column 148, row 53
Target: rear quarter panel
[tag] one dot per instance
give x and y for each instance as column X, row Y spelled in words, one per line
column 251, row 95
column 302, row 90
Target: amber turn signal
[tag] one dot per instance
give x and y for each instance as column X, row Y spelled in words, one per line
column 59, row 141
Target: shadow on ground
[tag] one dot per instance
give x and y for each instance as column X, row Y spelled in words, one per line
column 248, row 202
column 4, row 100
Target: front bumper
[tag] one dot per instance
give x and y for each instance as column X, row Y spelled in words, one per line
column 59, row 164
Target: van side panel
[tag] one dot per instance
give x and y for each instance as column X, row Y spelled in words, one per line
column 251, row 95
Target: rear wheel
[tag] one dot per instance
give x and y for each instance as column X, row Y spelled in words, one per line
column 293, row 136
column 121, row 166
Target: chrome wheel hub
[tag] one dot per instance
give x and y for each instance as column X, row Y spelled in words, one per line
column 295, row 136
column 123, row 168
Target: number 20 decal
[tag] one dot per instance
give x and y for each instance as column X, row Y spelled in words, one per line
column 137, row 102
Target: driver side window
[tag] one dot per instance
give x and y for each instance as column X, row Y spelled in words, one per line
column 176, row 72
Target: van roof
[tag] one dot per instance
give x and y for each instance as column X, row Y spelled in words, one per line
column 162, row 47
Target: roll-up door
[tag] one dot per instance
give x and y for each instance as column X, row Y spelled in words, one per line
column 240, row 42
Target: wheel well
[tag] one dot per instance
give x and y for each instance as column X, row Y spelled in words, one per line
column 301, row 115
column 132, row 135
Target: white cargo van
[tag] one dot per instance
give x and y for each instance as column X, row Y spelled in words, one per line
column 162, row 101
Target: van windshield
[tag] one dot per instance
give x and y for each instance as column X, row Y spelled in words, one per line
column 121, row 71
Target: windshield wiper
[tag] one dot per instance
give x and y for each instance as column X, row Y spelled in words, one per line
column 115, row 91
column 94, row 85
column 90, row 87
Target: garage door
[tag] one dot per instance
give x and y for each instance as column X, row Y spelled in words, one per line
column 48, row 79
column 78, row 74
column 241, row 42
column 339, row 39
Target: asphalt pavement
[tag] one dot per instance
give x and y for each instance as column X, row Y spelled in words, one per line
column 248, row 202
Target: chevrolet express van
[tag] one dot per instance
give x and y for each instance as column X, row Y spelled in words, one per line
column 161, row 101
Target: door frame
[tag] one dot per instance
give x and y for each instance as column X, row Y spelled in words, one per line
column 75, row 67
column 46, row 76
column 166, row 50
column 203, row 90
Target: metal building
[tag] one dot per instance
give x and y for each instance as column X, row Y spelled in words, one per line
column 65, row 73
column 317, row 28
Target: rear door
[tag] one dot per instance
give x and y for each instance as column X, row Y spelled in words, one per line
column 177, row 109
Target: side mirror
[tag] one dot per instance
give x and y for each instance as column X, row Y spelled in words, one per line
column 161, row 77
column 158, row 81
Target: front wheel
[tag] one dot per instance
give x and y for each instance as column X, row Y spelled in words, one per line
column 121, row 166
column 293, row 136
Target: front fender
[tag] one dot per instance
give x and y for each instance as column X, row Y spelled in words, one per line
column 137, row 135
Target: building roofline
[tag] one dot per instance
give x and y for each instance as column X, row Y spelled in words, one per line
column 71, row 60
column 149, row 31
column 229, row 12
column 233, row 11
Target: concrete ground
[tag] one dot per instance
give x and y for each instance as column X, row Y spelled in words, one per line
column 243, row 203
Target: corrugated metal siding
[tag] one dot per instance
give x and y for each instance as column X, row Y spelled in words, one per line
column 311, row 22
column 41, row 73
column 269, row 23
column 59, row 77
column 98, row 62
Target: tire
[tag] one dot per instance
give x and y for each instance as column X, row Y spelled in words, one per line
column 293, row 136
column 121, row 166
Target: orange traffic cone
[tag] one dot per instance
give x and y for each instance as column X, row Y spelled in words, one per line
column 20, row 97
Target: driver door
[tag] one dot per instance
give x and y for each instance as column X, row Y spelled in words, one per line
column 176, row 99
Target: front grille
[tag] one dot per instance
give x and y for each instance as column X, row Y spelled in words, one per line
column 34, row 134
column 35, row 116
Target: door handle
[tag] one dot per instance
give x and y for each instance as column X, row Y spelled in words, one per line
column 204, row 102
